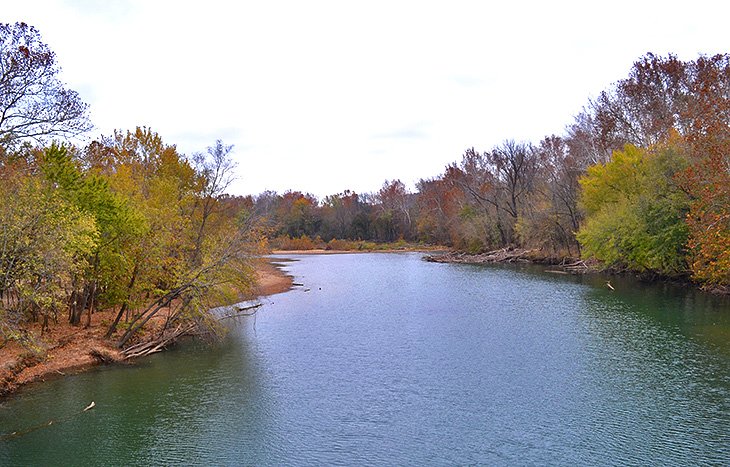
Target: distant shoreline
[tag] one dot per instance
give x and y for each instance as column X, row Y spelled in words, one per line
column 321, row 251
column 562, row 265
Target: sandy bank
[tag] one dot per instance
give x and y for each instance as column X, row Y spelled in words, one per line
column 271, row 279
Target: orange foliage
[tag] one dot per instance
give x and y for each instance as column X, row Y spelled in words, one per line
column 304, row 242
column 709, row 220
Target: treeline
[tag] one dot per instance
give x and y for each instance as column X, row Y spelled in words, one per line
column 640, row 180
column 125, row 223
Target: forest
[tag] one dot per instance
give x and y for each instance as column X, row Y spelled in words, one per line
column 639, row 181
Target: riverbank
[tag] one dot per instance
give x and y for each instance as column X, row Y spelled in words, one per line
column 564, row 265
column 324, row 251
column 514, row 255
column 64, row 349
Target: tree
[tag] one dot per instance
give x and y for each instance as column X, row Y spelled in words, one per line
column 514, row 165
column 44, row 242
column 215, row 175
column 159, row 185
column 551, row 216
column 338, row 214
column 709, row 219
column 394, row 217
column 660, row 95
column 116, row 221
column 34, row 104
column 438, row 205
column 635, row 210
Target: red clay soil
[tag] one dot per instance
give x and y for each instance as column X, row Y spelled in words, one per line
column 65, row 349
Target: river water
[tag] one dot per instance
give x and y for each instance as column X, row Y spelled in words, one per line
column 386, row 359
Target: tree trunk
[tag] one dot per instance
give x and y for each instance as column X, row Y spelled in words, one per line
column 92, row 296
column 125, row 305
column 80, row 307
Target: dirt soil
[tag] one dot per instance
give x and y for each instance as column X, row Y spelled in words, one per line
column 65, row 349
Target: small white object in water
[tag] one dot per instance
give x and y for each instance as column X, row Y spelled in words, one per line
column 90, row 406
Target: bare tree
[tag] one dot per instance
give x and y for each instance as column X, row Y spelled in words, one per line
column 34, row 104
column 216, row 175
column 515, row 166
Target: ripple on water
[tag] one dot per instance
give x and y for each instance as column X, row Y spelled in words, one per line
column 398, row 361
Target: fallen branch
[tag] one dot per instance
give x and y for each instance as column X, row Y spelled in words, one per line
column 153, row 346
column 19, row 433
column 241, row 311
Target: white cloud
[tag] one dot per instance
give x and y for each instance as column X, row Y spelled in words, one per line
column 307, row 90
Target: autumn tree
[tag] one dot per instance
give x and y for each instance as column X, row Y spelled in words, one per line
column 34, row 103
column 339, row 213
column 395, row 206
column 297, row 214
column 482, row 223
column 215, row 171
column 439, row 203
column 554, row 215
column 116, row 222
column 635, row 210
column 45, row 241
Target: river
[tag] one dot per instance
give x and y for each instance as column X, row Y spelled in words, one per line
column 386, row 359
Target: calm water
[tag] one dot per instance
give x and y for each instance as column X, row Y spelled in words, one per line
column 391, row 360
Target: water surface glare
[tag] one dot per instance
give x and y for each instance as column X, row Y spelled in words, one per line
column 386, row 359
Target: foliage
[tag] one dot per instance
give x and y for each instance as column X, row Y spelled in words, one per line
column 635, row 211
column 45, row 241
column 117, row 223
column 34, row 104
column 639, row 180
column 304, row 242
column 709, row 220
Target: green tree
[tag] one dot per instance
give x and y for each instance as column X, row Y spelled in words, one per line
column 117, row 224
column 45, row 241
column 635, row 210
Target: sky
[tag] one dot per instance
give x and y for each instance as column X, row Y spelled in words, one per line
column 324, row 96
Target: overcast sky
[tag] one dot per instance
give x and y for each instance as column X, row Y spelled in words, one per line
column 327, row 96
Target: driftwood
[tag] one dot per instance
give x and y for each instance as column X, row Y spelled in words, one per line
column 516, row 255
column 103, row 355
column 578, row 267
column 503, row 255
column 20, row 433
column 249, row 307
